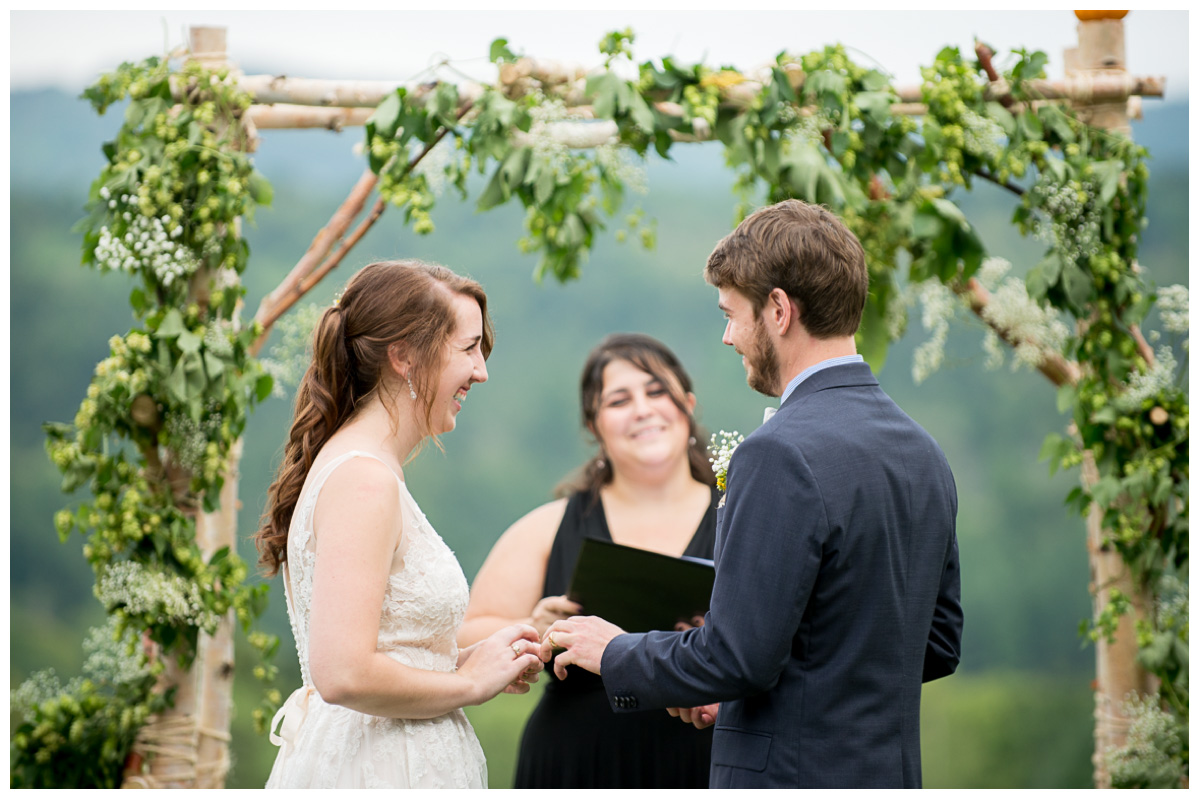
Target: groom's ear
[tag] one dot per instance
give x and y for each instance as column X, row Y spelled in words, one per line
column 780, row 311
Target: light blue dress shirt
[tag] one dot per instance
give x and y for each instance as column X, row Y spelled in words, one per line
column 826, row 364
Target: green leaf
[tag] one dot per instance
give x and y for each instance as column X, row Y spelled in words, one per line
column 189, row 342
column 171, row 325
column 137, row 299
column 875, row 81
column 385, row 119
column 262, row 387
column 871, row 339
column 1030, row 126
column 499, row 51
column 514, row 167
column 544, row 186
column 1002, row 117
column 260, row 188
column 213, row 366
column 1076, row 285
column 1051, row 448
column 1109, row 175
column 1106, row 490
column 1065, row 398
column 641, row 114
column 876, row 106
column 603, row 88
column 176, row 383
column 495, row 193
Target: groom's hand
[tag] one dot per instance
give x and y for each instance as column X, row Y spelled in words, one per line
column 583, row 638
column 700, row 716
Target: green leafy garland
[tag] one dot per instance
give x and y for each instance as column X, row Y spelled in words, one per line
column 152, row 440
column 820, row 128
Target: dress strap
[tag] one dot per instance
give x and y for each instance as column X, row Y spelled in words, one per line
column 311, row 499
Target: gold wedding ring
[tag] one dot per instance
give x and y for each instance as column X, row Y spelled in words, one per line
column 516, row 648
column 550, row 639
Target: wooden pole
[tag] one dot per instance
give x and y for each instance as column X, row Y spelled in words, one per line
column 1100, row 58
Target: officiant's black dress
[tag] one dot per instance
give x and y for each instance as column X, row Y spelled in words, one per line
column 573, row 740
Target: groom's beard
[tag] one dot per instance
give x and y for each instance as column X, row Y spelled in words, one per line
column 762, row 363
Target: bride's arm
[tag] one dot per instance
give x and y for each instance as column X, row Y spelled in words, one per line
column 358, row 526
column 508, row 587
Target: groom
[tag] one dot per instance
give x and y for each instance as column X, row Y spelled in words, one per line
column 837, row 584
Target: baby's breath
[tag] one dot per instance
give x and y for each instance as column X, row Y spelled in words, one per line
column 722, row 445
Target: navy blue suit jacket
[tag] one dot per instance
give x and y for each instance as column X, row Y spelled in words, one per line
column 836, row 596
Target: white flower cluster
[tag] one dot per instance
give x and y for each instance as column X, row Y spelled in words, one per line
column 147, row 244
column 1173, row 308
column 809, row 128
column 292, row 353
column 225, row 278
column 41, row 686
column 188, row 439
column 142, row 590
column 619, row 163
column 108, row 659
column 982, row 136
column 994, row 350
column 1151, row 747
column 216, row 337
column 112, row 658
column 896, row 318
column 547, row 146
column 992, row 271
column 1145, row 385
column 1068, row 217
column 938, row 307
column 722, row 445
column 1172, row 611
column 433, row 165
column 1034, row 328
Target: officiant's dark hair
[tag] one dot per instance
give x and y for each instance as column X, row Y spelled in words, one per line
column 654, row 358
column 386, row 303
column 804, row 250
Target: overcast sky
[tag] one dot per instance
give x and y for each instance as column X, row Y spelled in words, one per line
column 69, row 49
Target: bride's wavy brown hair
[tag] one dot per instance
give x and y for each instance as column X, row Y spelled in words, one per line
column 386, row 303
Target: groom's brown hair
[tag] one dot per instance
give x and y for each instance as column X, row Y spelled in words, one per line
column 804, row 250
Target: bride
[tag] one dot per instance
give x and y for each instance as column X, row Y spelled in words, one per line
column 374, row 595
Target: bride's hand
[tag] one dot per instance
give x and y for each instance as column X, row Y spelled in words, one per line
column 550, row 610
column 506, row 661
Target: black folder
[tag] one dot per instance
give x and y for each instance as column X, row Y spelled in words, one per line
column 639, row 590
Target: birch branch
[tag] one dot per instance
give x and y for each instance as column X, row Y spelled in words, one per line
column 306, row 274
column 1059, row 370
column 288, row 292
column 1083, row 87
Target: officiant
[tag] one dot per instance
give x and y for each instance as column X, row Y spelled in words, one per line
column 649, row 486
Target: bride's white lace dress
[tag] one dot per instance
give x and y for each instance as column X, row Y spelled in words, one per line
column 327, row 746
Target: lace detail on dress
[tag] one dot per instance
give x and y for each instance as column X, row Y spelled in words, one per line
column 423, row 607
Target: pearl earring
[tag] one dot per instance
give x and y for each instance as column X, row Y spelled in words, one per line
column 691, row 441
column 600, row 463
column 411, row 391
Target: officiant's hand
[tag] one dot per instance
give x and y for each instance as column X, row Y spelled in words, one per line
column 700, row 716
column 584, row 639
column 550, row 610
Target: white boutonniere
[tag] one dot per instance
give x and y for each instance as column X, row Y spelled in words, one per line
column 722, row 445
